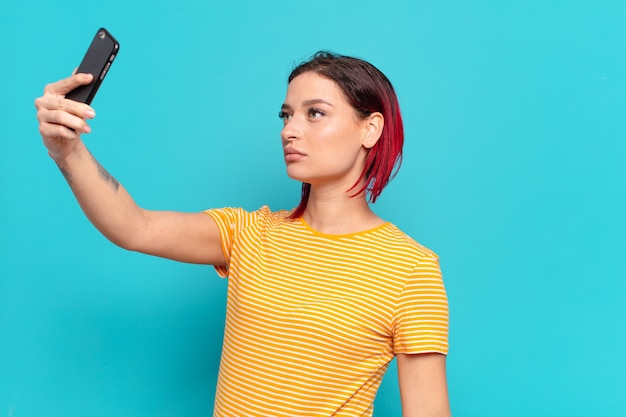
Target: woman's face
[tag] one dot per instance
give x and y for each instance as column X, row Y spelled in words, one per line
column 324, row 140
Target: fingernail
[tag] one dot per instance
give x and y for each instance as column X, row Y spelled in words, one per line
column 86, row 129
column 90, row 114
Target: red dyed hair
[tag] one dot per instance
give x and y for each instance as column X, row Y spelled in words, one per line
column 367, row 90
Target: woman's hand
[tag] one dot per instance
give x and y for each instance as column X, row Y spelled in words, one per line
column 62, row 121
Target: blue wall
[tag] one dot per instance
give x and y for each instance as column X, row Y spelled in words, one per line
column 514, row 173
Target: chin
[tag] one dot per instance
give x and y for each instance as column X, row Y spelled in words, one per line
column 297, row 175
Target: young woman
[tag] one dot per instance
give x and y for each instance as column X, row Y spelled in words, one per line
column 320, row 298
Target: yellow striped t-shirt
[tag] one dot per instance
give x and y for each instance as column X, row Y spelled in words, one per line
column 313, row 320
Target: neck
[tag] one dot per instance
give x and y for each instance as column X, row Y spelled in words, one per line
column 334, row 212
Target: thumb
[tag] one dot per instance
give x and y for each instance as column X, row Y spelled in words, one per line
column 66, row 85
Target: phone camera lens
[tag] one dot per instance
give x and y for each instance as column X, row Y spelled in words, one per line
column 101, row 34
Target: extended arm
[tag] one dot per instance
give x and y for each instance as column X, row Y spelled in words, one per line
column 423, row 387
column 187, row 237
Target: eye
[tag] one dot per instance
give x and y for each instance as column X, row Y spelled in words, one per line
column 315, row 113
column 284, row 115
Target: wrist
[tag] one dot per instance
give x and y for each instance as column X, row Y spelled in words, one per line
column 66, row 156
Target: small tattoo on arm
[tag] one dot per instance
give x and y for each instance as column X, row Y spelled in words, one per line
column 66, row 174
column 104, row 174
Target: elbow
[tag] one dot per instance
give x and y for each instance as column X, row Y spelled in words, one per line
column 125, row 237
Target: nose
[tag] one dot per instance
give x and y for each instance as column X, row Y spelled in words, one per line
column 291, row 130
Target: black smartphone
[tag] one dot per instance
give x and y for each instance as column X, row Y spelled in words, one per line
column 97, row 61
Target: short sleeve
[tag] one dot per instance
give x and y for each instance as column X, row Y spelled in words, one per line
column 420, row 323
column 230, row 222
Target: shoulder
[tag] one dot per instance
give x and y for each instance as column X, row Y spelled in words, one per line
column 265, row 214
column 240, row 218
column 399, row 241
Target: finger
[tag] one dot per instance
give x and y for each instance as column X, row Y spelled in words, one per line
column 63, row 118
column 66, row 85
column 58, row 102
column 51, row 133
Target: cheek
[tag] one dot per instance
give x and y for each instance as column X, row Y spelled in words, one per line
column 338, row 136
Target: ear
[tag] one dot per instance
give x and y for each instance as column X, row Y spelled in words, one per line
column 373, row 129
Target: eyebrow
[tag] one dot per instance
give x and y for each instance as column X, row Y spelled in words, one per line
column 305, row 103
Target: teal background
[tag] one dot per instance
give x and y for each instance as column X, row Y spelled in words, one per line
column 514, row 173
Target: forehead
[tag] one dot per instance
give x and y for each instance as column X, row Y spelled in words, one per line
column 311, row 85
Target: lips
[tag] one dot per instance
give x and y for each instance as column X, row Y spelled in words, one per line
column 293, row 155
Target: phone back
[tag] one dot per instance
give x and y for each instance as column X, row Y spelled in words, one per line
column 96, row 61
